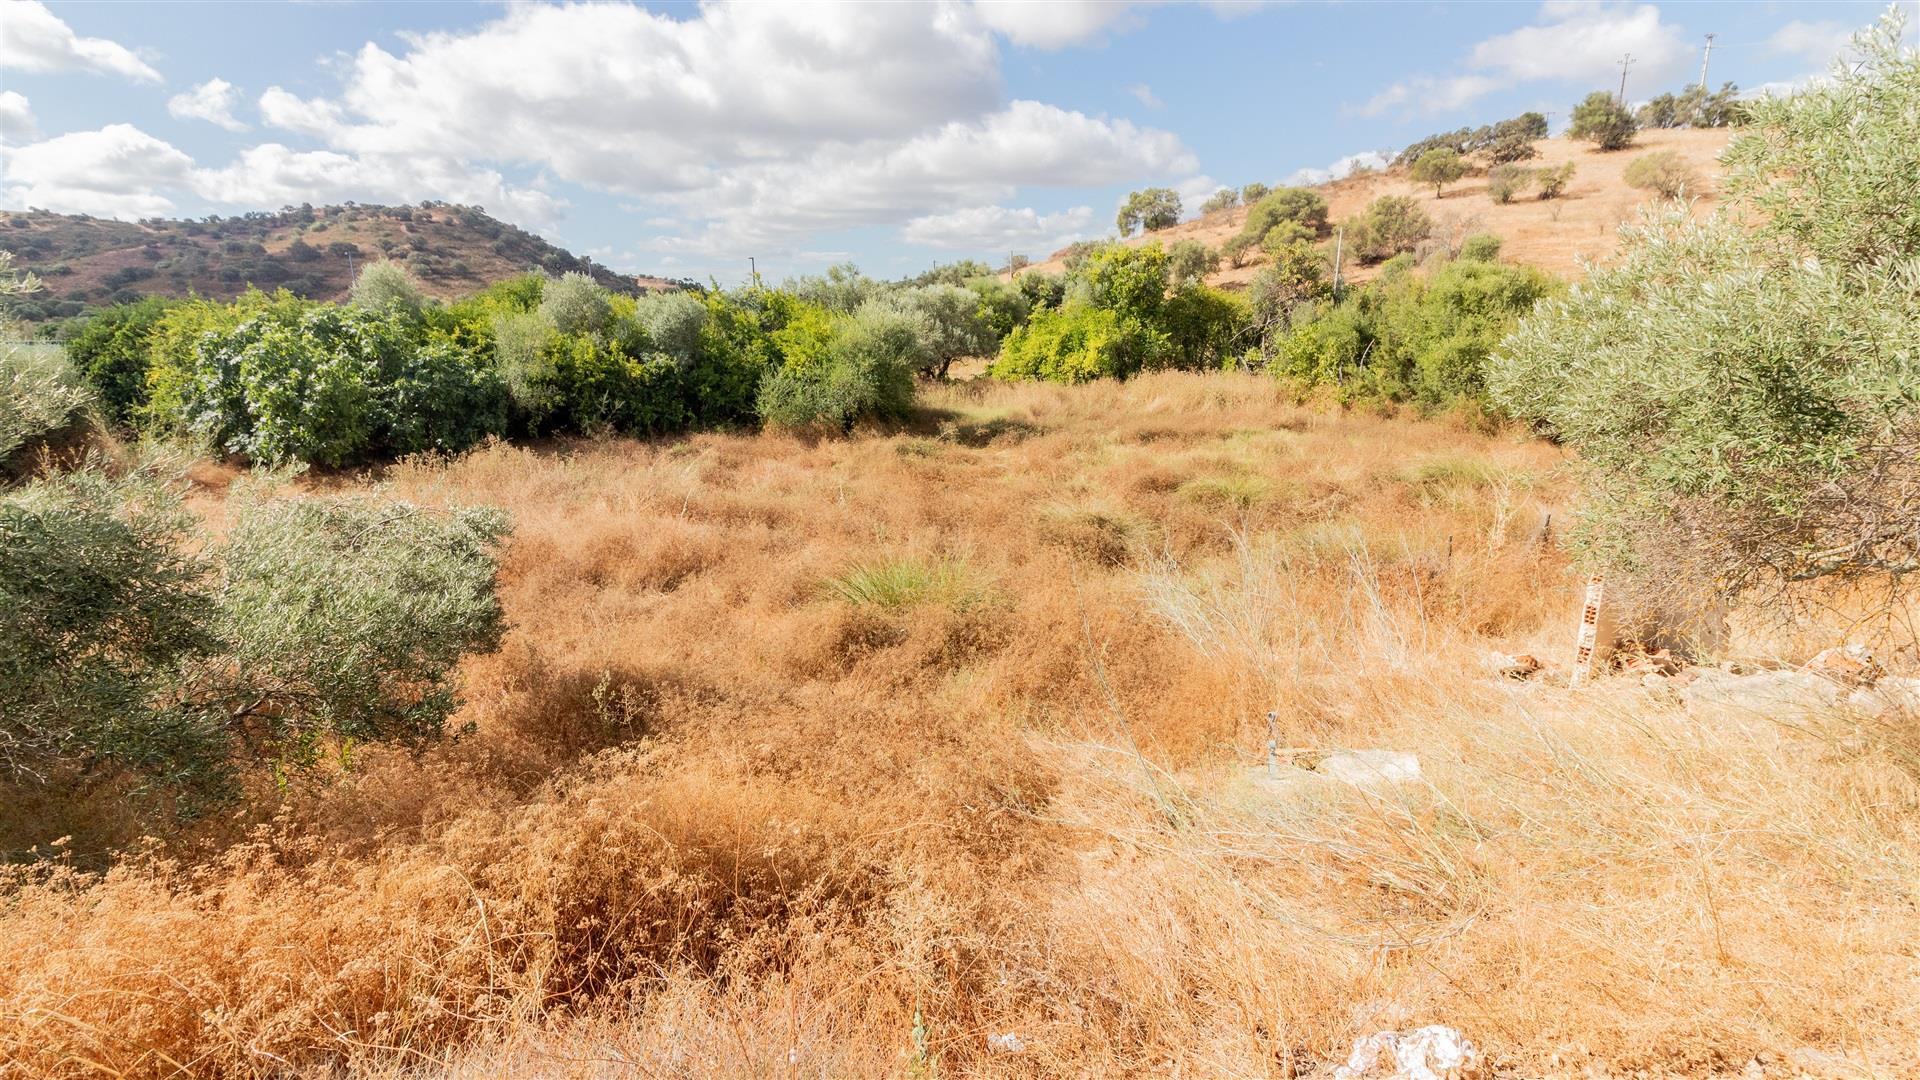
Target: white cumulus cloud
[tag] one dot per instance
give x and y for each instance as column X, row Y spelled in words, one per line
column 1576, row 41
column 1339, row 170
column 16, row 119
column 1815, row 42
column 1001, row 229
column 212, row 101
column 118, row 171
column 37, row 41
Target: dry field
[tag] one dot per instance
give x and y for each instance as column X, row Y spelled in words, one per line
column 928, row 754
column 1554, row 235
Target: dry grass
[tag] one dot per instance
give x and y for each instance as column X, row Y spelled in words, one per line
column 1555, row 235
column 848, row 757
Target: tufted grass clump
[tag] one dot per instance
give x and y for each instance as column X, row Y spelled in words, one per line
column 899, row 584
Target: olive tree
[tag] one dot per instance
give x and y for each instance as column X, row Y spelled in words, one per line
column 1149, row 210
column 1602, row 120
column 1741, row 390
column 384, row 287
column 576, row 304
column 1438, row 167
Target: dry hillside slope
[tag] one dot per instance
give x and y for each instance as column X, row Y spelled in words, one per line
column 1553, row 234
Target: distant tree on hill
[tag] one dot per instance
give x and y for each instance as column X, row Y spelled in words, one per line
column 1506, row 181
column 1253, row 193
column 1553, row 182
column 1191, row 260
column 1390, row 225
column 1692, row 107
column 1439, row 167
column 1149, row 210
column 1601, row 120
column 1224, row 199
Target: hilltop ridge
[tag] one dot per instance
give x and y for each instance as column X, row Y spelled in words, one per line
column 86, row 262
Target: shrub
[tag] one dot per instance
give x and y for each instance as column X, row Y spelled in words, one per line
column 1149, row 210
column 1042, row 291
column 1438, row 167
column 1294, row 281
column 1235, row 249
column 1390, row 225
column 519, row 339
column 1506, row 181
column 1511, row 148
column 1303, row 206
column 386, row 286
column 1480, row 247
column 137, row 650
column 1002, row 307
column 1603, row 121
column 1740, row 389
column 896, row 584
column 1202, row 326
column 1078, row 344
column 1129, row 280
column 110, row 351
column 672, row 322
column 948, row 321
column 40, row 393
column 1553, row 182
column 1285, row 235
column 867, row 374
column 576, row 304
column 1191, row 261
column 1224, row 199
column 1662, row 171
column 1253, row 193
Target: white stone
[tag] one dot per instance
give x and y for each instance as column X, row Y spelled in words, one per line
column 1767, row 693
column 1370, row 768
column 1434, row 1052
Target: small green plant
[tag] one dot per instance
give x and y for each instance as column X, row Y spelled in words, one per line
column 898, row 584
column 1480, row 247
column 1224, row 199
column 1553, row 182
column 1240, row 492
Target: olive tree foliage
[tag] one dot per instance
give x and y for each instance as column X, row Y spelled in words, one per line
column 949, row 321
column 143, row 654
column 1603, row 121
column 1149, row 210
column 40, row 392
column 672, row 322
column 576, row 304
column 1190, row 261
column 387, row 287
column 1744, row 391
column 1390, row 225
column 1438, row 167
column 1224, row 199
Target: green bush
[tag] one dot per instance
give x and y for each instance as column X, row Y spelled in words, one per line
column 1149, row 210
column 140, row 652
column 1741, row 390
column 1191, row 261
column 1301, row 206
column 673, row 323
column 40, row 393
column 866, row 373
column 1003, row 306
column 1603, row 121
column 110, row 351
column 1203, row 326
column 1480, row 247
column 1412, row 337
column 576, row 304
column 1253, row 193
column 1662, row 172
column 948, row 320
column 1078, row 344
column 385, row 287
column 1391, row 224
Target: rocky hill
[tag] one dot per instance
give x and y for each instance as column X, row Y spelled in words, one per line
column 86, row 262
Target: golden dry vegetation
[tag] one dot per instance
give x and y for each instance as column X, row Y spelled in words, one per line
column 855, row 757
column 1555, row 235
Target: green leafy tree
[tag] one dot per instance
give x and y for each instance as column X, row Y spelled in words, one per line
column 865, row 373
column 949, row 321
column 109, row 349
column 1391, row 224
column 1603, row 121
column 1438, row 167
column 1253, row 193
column 1149, row 210
column 1302, row 206
column 1741, row 390
column 1078, row 343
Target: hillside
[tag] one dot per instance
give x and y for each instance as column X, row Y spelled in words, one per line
column 313, row 251
column 1554, row 234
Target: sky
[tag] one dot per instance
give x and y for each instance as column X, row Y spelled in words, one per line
column 683, row 139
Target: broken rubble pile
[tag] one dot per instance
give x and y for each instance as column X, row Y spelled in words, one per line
column 1434, row 1052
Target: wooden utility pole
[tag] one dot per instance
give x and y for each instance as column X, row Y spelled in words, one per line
column 1704, row 57
column 1339, row 244
column 1625, row 63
